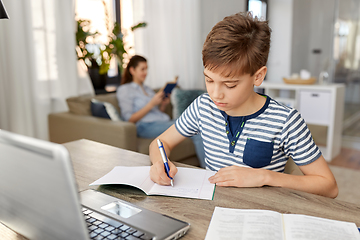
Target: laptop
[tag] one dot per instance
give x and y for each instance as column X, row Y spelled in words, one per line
column 39, row 199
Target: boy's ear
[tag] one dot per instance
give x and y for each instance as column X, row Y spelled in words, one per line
column 260, row 75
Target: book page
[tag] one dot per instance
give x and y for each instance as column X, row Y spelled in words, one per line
column 303, row 227
column 189, row 183
column 229, row 223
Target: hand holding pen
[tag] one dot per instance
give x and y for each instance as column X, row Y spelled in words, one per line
column 165, row 159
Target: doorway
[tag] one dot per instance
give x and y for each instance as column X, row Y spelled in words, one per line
column 347, row 63
column 326, row 42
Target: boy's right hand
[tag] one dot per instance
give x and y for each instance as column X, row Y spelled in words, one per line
column 158, row 174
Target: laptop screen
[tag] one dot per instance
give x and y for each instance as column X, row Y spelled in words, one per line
column 38, row 194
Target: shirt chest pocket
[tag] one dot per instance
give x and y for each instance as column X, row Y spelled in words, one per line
column 258, row 154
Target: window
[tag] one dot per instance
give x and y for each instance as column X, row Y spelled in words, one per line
column 44, row 39
column 102, row 16
column 258, row 8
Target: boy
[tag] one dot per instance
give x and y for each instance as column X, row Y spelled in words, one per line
column 247, row 137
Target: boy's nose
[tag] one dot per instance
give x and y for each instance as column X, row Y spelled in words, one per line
column 217, row 93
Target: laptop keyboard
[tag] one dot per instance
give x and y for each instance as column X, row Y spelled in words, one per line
column 102, row 227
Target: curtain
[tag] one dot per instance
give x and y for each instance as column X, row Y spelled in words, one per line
column 170, row 41
column 38, row 65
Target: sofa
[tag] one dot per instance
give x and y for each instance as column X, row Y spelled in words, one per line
column 79, row 123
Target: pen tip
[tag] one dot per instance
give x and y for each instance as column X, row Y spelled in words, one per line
column 172, row 183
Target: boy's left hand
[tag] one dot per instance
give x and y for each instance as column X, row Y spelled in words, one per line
column 238, row 177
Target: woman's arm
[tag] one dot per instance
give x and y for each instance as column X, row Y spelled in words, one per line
column 164, row 103
column 170, row 138
column 317, row 179
column 156, row 100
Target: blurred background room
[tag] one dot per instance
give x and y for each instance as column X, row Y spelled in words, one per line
column 43, row 61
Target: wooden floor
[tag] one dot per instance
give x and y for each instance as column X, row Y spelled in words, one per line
column 349, row 158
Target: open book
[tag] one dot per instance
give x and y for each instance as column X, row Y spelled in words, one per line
column 188, row 182
column 228, row 223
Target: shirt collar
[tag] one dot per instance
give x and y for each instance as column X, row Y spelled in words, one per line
column 135, row 85
column 254, row 114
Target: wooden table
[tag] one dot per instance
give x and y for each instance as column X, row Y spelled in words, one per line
column 92, row 160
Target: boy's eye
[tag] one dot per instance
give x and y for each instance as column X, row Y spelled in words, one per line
column 230, row 86
column 208, row 80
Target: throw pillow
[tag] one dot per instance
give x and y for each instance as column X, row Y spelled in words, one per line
column 181, row 99
column 104, row 110
column 80, row 105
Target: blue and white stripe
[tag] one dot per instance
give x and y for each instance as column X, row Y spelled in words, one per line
column 277, row 123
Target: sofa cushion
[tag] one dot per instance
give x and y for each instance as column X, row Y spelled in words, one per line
column 104, row 110
column 81, row 105
column 110, row 98
column 181, row 99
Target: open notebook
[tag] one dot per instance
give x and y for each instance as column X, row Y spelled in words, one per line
column 188, row 182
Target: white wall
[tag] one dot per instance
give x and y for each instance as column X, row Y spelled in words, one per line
column 213, row 11
column 170, row 41
column 280, row 21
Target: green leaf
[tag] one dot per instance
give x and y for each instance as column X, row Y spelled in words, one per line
column 115, row 47
column 139, row 25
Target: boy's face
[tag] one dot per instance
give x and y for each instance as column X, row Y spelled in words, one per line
column 233, row 94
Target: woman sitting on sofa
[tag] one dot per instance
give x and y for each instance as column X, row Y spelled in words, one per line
column 141, row 105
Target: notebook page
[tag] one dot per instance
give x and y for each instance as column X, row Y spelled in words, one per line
column 134, row 176
column 189, row 183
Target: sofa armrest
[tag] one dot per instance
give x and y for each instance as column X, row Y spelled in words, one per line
column 66, row 127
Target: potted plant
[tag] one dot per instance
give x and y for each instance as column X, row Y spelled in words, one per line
column 97, row 56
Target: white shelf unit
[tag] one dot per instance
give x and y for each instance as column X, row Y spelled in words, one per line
column 321, row 105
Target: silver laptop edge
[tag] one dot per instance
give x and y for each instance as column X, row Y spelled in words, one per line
column 39, row 197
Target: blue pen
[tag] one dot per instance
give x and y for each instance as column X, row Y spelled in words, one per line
column 165, row 159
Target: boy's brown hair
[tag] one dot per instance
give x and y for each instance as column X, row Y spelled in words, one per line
column 237, row 45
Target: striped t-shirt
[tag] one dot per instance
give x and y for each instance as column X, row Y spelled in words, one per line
column 265, row 139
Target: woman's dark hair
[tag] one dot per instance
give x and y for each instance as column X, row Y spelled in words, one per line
column 134, row 62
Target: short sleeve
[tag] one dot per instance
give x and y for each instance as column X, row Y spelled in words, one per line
column 297, row 140
column 125, row 99
column 188, row 122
